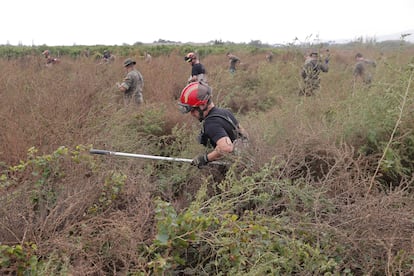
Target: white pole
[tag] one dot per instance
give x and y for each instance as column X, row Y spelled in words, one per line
column 107, row 152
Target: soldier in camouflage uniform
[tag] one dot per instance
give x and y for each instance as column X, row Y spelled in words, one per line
column 361, row 71
column 269, row 57
column 133, row 83
column 233, row 60
column 310, row 73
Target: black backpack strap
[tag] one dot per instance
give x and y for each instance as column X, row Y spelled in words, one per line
column 236, row 130
column 227, row 118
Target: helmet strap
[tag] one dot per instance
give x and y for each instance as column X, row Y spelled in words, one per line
column 200, row 114
column 201, row 111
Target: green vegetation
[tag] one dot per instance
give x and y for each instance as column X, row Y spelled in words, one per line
column 325, row 188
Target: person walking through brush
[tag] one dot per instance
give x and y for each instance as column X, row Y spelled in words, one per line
column 233, row 60
column 49, row 59
column 107, row 57
column 310, row 73
column 361, row 71
column 198, row 71
column 269, row 57
column 220, row 129
column 132, row 84
column 147, row 57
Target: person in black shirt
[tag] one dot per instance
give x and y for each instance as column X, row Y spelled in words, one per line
column 198, row 71
column 220, row 130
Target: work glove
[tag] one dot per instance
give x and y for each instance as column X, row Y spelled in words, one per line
column 200, row 160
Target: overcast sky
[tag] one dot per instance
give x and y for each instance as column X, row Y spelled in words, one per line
column 87, row 22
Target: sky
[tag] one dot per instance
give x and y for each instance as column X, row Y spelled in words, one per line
column 87, row 22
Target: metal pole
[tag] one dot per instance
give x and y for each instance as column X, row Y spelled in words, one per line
column 154, row 157
column 107, row 152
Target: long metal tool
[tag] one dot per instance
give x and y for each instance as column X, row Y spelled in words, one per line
column 154, row 157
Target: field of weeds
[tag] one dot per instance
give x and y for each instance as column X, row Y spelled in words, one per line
column 325, row 188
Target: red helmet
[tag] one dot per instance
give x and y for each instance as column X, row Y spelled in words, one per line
column 194, row 95
column 189, row 57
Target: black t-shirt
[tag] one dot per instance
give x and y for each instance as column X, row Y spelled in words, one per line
column 216, row 126
column 197, row 69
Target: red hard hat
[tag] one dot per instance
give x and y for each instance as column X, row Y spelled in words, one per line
column 194, row 95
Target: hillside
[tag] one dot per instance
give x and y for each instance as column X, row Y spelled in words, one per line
column 325, row 187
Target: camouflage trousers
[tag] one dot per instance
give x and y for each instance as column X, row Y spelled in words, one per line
column 137, row 98
column 311, row 87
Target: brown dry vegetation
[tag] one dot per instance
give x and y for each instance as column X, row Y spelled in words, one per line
column 315, row 158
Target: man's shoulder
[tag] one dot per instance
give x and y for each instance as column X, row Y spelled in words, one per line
column 198, row 66
column 310, row 63
column 138, row 73
column 218, row 114
column 134, row 73
column 219, row 111
column 359, row 64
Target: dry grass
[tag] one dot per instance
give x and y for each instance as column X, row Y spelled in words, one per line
column 75, row 103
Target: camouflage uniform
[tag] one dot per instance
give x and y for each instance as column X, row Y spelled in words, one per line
column 269, row 57
column 310, row 74
column 134, row 83
column 233, row 61
column 361, row 71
